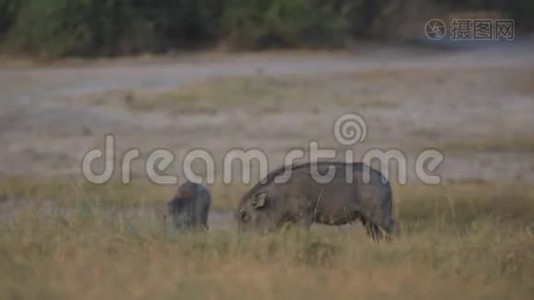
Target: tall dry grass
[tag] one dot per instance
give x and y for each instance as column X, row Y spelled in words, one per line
column 61, row 239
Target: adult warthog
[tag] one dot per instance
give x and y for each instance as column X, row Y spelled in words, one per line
column 190, row 206
column 354, row 192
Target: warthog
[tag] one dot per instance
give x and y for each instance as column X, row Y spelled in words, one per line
column 302, row 200
column 189, row 207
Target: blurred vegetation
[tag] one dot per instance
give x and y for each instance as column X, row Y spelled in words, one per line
column 106, row 27
column 121, row 27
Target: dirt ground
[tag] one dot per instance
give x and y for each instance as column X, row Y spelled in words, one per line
column 474, row 105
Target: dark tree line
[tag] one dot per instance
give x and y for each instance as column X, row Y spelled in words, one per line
column 115, row 27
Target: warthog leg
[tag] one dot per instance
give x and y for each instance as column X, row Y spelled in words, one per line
column 372, row 229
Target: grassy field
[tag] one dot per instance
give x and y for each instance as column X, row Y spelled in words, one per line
column 64, row 239
column 469, row 238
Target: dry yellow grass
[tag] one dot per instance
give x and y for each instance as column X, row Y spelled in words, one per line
column 70, row 240
column 68, row 192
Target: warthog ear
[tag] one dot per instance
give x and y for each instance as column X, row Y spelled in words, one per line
column 259, row 200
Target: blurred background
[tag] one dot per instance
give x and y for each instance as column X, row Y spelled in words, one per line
column 54, row 28
column 267, row 74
